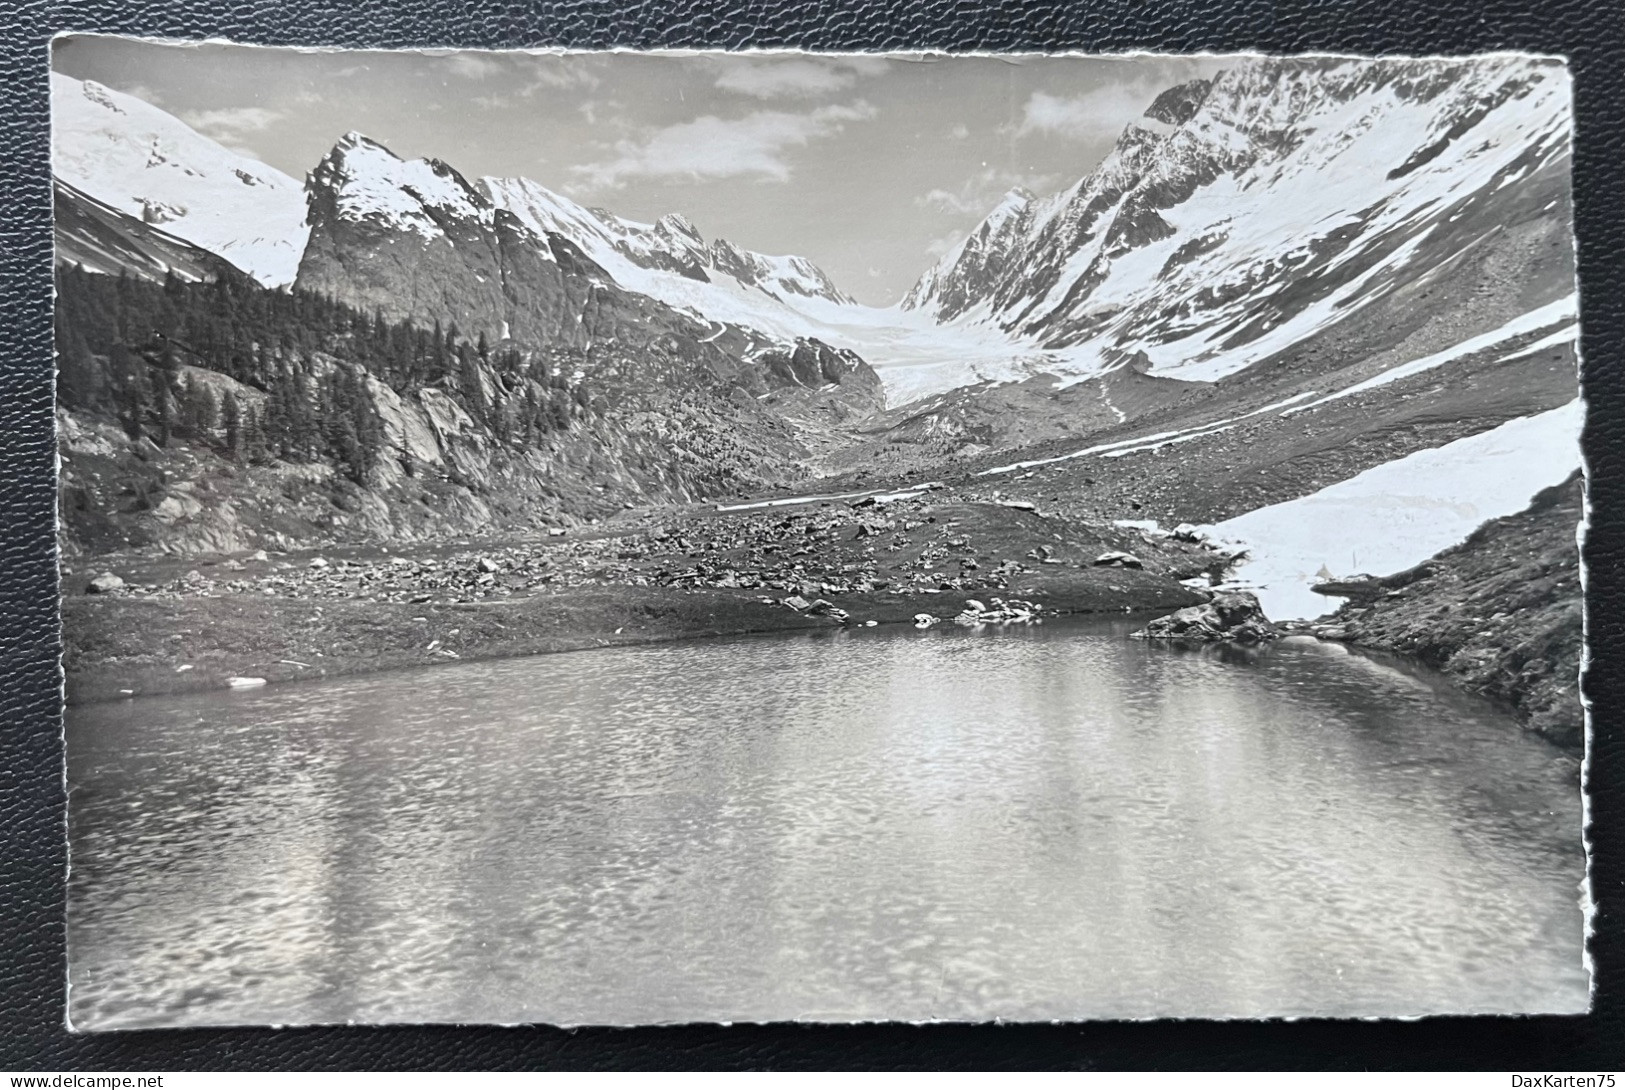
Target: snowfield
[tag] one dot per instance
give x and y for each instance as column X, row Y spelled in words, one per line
column 1396, row 515
column 150, row 165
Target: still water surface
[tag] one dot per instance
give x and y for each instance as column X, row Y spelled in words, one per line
column 1037, row 823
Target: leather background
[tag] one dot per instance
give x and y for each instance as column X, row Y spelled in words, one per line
column 1590, row 32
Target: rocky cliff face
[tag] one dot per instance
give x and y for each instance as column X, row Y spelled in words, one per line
column 416, row 241
column 444, row 468
column 657, row 406
column 1250, row 213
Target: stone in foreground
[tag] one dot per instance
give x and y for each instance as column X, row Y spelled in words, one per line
column 105, row 583
column 1231, row 617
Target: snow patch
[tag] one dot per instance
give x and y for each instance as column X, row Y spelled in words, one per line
column 1396, row 515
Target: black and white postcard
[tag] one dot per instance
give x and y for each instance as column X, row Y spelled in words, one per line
column 653, row 537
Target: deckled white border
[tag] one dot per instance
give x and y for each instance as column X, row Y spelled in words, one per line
column 1587, row 902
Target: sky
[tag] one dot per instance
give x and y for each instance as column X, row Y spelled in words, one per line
column 873, row 166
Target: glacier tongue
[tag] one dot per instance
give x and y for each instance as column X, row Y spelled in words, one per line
column 141, row 161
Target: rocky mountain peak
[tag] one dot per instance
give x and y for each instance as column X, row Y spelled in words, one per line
column 1012, row 204
column 363, row 181
column 1179, row 104
column 1245, row 213
column 675, row 226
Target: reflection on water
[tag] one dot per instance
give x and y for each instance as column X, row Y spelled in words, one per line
column 1044, row 823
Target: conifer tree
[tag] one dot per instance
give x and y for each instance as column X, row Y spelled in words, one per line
column 166, row 416
column 232, row 418
column 133, row 392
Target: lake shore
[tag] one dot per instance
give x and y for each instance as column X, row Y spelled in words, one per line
column 1501, row 614
column 185, row 624
column 119, row 647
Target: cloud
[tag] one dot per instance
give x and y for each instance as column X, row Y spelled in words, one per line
column 940, row 247
column 229, row 126
column 474, row 66
column 145, row 93
column 555, row 74
column 713, row 147
column 795, row 78
column 960, row 131
column 978, row 194
column 1100, row 113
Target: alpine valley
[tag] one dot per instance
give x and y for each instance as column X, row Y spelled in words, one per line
column 1307, row 327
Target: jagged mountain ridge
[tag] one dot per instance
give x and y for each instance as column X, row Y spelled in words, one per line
column 670, row 244
column 1251, row 211
column 414, row 240
column 101, row 145
column 1241, row 218
column 140, row 160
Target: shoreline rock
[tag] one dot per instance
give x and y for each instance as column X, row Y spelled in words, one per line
column 1229, row 617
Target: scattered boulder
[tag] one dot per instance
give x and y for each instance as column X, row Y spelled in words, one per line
column 825, row 608
column 486, row 564
column 795, row 602
column 319, row 562
column 924, row 620
column 245, row 682
column 1118, row 560
column 259, row 555
column 1231, row 617
column 105, row 583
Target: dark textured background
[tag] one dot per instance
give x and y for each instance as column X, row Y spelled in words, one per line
column 1590, row 32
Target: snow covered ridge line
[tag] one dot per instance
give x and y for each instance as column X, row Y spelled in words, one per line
column 1120, row 447
column 371, row 183
column 1191, row 242
column 1396, row 515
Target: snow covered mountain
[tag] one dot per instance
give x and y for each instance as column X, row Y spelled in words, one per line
column 1250, row 212
column 139, row 160
column 1243, row 219
column 670, row 245
column 413, row 239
